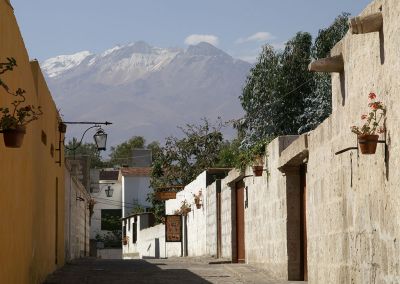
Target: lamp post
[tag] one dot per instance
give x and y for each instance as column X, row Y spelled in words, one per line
column 100, row 137
column 109, row 191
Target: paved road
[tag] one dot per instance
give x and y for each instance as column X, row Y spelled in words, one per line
column 165, row 271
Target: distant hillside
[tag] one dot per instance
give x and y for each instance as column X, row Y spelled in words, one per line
column 146, row 90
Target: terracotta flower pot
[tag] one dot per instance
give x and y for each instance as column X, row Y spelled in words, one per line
column 368, row 143
column 258, row 170
column 13, row 138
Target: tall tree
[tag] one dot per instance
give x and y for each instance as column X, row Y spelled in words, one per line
column 274, row 91
column 319, row 102
column 85, row 149
column 123, row 152
column 180, row 160
column 280, row 96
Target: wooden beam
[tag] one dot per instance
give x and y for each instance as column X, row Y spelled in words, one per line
column 366, row 24
column 170, row 187
column 329, row 64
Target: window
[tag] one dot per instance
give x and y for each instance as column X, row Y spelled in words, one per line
column 110, row 219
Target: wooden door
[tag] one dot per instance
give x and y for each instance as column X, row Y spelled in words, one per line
column 219, row 225
column 240, row 244
column 303, row 200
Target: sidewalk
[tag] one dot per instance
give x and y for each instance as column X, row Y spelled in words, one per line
column 250, row 274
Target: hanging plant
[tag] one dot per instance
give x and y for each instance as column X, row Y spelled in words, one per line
column 13, row 120
column 198, row 199
column 368, row 134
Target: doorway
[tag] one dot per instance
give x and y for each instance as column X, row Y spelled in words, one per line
column 240, row 233
column 303, row 221
column 296, row 202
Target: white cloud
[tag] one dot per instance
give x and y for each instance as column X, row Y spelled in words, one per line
column 257, row 37
column 196, row 38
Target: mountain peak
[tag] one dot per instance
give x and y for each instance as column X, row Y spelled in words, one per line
column 59, row 64
column 205, row 49
column 141, row 47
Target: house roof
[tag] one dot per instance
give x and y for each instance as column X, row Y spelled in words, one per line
column 145, row 172
column 108, row 175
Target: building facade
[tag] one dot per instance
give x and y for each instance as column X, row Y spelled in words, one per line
column 322, row 211
column 77, row 216
column 32, row 182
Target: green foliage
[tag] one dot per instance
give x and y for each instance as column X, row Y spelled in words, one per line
column 110, row 239
column 319, row 102
column 85, row 149
column 137, row 209
column 251, row 155
column 327, row 38
column 281, row 97
column 182, row 159
column 124, row 150
column 18, row 115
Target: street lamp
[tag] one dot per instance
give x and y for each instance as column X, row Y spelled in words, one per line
column 100, row 137
column 109, row 191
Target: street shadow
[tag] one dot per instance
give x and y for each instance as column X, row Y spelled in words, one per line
column 97, row 271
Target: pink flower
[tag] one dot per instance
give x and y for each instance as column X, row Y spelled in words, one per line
column 381, row 129
column 372, row 96
column 364, row 116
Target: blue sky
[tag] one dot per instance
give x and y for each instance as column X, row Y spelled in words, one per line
column 240, row 27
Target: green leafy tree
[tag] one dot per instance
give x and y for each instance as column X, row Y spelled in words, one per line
column 180, row 160
column 272, row 107
column 85, row 149
column 281, row 96
column 123, row 152
column 319, row 102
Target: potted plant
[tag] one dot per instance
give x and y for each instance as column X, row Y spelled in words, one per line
column 258, row 167
column 13, row 121
column 185, row 208
column 197, row 199
column 368, row 133
column 125, row 240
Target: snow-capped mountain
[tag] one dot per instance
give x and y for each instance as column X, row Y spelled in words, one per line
column 146, row 90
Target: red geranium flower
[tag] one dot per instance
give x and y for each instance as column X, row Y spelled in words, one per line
column 372, row 96
column 364, row 116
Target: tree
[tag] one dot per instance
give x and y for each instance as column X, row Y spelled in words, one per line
column 273, row 94
column 85, row 149
column 181, row 160
column 122, row 152
column 280, row 96
column 319, row 102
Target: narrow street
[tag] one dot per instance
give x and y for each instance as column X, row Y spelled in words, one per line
column 175, row 270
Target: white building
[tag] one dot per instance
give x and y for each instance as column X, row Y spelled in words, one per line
column 108, row 198
column 135, row 184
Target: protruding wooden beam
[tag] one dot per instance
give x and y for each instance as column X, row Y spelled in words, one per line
column 366, row 24
column 329, row 64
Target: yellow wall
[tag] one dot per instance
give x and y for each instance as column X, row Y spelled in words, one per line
column 28, row 174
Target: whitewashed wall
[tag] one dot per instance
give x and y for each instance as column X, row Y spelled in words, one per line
column 150, row 241
column 211, row 220
column 134, row 191
column 104, row 202
column 196, row 219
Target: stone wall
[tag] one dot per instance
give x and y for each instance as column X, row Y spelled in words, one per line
column 353, row 200
column 211, row 220
column 227, row 215
column 76, row 218
column 266, row 217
